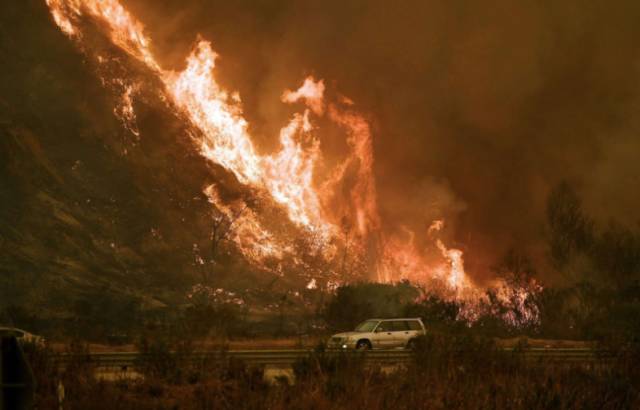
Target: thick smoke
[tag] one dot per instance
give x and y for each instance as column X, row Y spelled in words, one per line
column 478, row 108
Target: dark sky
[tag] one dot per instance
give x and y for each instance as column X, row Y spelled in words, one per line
column 479, row 108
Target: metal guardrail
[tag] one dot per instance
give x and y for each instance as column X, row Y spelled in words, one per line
column 288, row 357
column 565, row 355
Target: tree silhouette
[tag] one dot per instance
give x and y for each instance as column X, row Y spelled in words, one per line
column 570, row 230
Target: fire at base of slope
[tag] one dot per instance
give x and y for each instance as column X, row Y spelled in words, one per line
column 335, row 208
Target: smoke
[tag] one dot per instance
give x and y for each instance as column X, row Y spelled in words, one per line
column 426, row 201
column 478, row 108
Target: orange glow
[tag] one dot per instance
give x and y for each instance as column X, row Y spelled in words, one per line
column 446, row 272
column 311, row 91
column 255, row 243
column 219, row 118
column 125, row 111
column 325, row 210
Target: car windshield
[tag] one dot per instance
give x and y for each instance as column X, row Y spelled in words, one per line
column 367, row 326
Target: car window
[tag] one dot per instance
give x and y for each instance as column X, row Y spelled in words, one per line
column 367, row 326
column 384, row 327
column 414, row 325
column 399, row 326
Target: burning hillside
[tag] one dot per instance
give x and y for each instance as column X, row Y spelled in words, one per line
column 183, row 178
column 295, row 194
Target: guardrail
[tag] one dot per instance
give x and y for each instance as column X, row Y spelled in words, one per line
column 288, row 357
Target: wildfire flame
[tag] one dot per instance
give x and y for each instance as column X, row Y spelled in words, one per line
column 288, row 176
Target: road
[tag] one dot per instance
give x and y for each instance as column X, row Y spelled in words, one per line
column 289, row 356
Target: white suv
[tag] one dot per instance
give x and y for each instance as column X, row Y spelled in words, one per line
column 380, row 334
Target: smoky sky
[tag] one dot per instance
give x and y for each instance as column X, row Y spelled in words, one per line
column 478, row 108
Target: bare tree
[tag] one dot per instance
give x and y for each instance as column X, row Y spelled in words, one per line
column 222, row 228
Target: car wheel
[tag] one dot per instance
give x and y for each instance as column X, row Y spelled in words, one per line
column 363, row 345
column 411, row 344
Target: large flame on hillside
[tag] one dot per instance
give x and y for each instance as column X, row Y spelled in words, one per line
column 331, row 211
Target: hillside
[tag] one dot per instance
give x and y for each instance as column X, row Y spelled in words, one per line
column 90, row 213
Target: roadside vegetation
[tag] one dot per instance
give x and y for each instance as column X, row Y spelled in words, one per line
column 448, row 371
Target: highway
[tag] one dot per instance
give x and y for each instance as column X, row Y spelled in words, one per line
column 123, row 360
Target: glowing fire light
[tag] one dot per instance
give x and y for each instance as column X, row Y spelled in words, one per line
column 288, row 175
